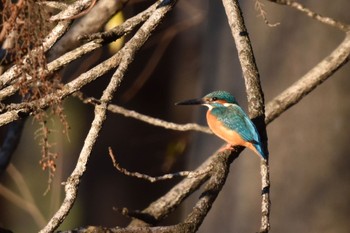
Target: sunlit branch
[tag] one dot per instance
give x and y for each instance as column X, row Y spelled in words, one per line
column 326, row 20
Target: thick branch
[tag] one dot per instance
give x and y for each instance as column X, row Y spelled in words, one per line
column 218, row 175
column 168, row 202
column 254, row 94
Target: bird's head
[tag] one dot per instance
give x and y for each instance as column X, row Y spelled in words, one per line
column 211, row 100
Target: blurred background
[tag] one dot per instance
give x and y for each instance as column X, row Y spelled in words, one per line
column 190, row 55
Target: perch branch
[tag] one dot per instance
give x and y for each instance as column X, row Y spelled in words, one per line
column 254, row 94
column 169, row 201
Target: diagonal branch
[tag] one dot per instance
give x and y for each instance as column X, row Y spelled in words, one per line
column 91, row 23
column 128, row 53
column 74, row 10
column 192, row 222
column 168, row 202
column 326, row 20
column 165, row 204
column 316, row 76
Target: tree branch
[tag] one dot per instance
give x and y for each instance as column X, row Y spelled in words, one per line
column 73, row 10
column 91, row 23
column 325, row 20
column 316, row 76
column 128, row 52
column 147, row 119
column 152, row 179
column 254, row 94
column 218, row 174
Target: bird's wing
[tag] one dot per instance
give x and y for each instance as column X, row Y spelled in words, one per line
column 236, row 119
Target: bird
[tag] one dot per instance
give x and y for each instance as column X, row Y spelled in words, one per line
column 228, row 121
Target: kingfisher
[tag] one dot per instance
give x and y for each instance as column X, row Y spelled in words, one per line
column 228, row 121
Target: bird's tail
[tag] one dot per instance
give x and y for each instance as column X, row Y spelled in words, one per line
column 260, row 151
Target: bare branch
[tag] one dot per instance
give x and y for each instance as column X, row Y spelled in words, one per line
column 316, row 76
column 12, row 73
column 220, row 168
column 326, row 20
column 58, row 64
column 168, row 202
column 254, row 94
column 259, row 6
column 74, row 10
column 150, row 120
column 158, row 122
column 128, row 52
column 153, row 179
column 122, row 29
column 91, row 23
column 16, row 111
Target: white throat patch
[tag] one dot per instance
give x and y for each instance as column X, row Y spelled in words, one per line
column 229, row 104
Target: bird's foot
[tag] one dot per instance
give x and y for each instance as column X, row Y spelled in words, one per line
column 226, row 147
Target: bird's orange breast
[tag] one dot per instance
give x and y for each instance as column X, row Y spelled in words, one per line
column 230, row 136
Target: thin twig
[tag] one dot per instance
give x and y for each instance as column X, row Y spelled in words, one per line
column 326, row 20
column 259, row 6
column 150, row 120
column 152, row 179
column 158, row 122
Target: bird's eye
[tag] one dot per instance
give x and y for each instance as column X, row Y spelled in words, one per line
column 214, row 99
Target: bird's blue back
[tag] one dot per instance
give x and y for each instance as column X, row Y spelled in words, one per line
column 236, row 119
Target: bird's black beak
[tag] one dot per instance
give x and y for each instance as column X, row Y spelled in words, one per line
column 191, row 102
